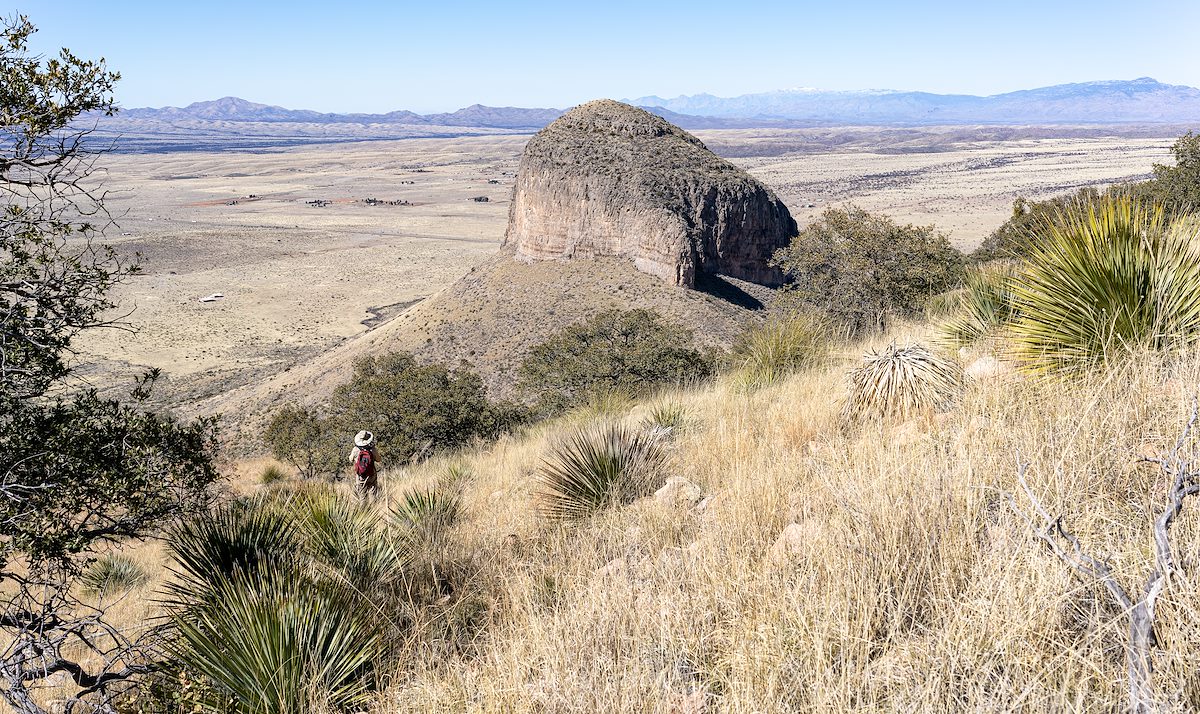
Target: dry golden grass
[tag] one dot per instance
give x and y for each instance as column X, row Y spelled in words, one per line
column 905, row 583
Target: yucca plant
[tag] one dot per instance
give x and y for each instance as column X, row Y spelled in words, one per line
column 985, row 306
column 596, row 467
column 901, row 381
column 350, row 540
column 244, row 536
column 279, row 642
column 1103, row 280
column 606, row 402
column 426, row 513
column 112, row 574
column 779, row 347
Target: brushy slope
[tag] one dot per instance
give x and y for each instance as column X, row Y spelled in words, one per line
column 871, row 566
column 905, row 581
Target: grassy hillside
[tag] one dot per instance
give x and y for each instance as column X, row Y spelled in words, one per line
column 830, row 566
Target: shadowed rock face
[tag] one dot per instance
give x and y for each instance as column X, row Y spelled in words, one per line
column 610, row 179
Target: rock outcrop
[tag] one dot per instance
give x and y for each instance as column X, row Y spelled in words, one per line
column 610, row 179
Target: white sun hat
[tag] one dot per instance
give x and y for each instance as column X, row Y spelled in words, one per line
column 364, row 438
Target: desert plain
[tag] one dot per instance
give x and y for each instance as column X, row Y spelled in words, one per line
column 303, row 260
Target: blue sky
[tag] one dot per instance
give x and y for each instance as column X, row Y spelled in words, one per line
column 442, row 55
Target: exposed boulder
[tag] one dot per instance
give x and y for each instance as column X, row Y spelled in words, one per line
column 610, row 179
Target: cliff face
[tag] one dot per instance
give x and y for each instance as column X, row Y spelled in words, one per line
column 608, row 179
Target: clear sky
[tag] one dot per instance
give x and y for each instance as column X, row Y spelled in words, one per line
column 441, row 55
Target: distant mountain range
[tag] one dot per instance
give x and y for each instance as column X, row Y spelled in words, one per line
column 232, row 109
column 1142, row 100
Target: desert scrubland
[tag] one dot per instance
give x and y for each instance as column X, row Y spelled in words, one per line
column 300, row 278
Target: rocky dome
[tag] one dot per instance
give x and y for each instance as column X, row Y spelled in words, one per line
column 608, row 179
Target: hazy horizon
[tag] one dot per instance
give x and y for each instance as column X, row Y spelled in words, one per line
column 371, row 57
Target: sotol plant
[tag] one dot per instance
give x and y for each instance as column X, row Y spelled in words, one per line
column 281, row 642
column 1104, row 280
column 901, row 382
column 596, row 467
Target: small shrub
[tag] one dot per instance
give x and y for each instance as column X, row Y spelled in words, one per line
column 901, row 382
column 597, row 467
column 424, row 515
column 350, row 540
column 629, row 353
column 985, row 306
column 417, row 410
column 1104, row 281
column 783, row 345
column 863, row 269
column 1017, row 236
column 112, row 574
column 271, row 474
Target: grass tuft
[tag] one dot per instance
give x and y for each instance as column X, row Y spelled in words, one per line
column 113, row 574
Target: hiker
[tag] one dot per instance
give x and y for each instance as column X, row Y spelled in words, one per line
column 364, row 458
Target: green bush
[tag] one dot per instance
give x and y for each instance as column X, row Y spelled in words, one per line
column 901, row 381
column 304, row 438
column 598, row 467
column 424, row 515
column 1104, row 281
column 350, row 541
column 112, row 574
column 863, row 268
column 271, row 474
column 616, row 352
column 666, row 418
column 785, row 344
column 417, row 410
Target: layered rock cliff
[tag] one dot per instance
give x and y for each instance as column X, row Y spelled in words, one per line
column 608, row 179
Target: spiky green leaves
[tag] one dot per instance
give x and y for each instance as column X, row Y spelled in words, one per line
column 901, row 381
column 596, row 467
column 985, row 305
column 1106, row 280
column 282, row 643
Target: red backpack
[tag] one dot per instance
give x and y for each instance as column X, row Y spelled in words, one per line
column 365, row 463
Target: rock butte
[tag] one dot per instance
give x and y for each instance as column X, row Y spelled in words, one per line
column 610, row 179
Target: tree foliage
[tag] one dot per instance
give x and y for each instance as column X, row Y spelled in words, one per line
column 78, row 473
column 1177, row 187
column 862, row 268
column 414, row 410
column 305, row 438
column 628, row 352
column 1016, row 236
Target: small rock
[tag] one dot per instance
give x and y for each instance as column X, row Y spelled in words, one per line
column 678, row 491
column 694, row 701
column 615, row 568
column 794, row 539
column 704, row 504
column 986, row 367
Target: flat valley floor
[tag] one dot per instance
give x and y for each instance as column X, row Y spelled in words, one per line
column 303, row 259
